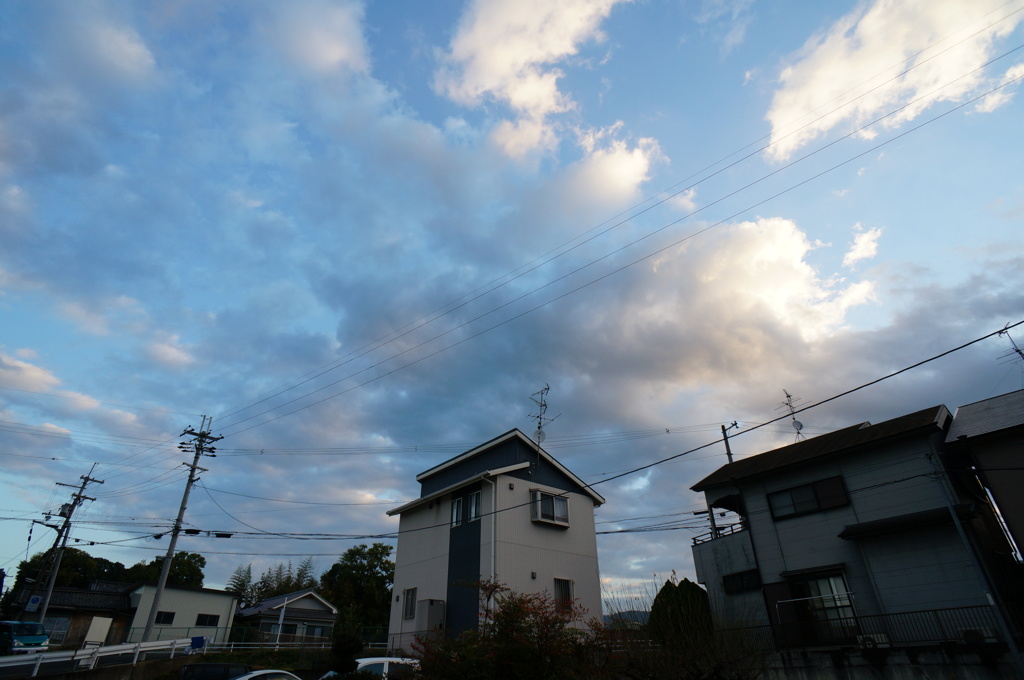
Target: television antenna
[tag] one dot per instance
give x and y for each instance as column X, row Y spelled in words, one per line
column 540, row 399
column 790, row 405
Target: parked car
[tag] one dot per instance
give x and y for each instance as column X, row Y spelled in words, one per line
column 23, row 637
column 213, row 671
column 268, row 675
column 386, row 667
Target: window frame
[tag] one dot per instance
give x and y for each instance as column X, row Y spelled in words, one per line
column 564, row 594
column 807, row 499
column 456, row 512
column 164, row 618
column 474, row 507
column 741, row 581
column 207, row 620
column 539, row 498
column 409, row 603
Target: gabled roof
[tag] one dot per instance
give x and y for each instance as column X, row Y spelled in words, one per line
column 988, row 416
column 841, row 441
column 273, row 604
column 483, row 448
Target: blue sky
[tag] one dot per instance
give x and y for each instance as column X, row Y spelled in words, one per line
column 362, row 236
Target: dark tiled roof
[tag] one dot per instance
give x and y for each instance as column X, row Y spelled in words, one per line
column 993, row 415
column 269, row 604
column 843, row 440
column 84, row 600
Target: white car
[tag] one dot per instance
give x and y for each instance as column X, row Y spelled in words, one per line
column 386, row 667
column 268, row 675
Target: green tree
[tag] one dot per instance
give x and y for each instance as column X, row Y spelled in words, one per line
column 520, row 636
column 186, row 570
column 359, row 585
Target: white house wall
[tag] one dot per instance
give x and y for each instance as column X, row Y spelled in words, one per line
column 422, row 563
column 187, row 605
column 527, row 548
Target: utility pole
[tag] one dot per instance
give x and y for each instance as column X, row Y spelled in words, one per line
column 199, row 444
column 725, row 437
column 62, row 536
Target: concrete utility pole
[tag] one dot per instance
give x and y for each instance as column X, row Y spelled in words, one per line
column 62, row 535
column 199, row 444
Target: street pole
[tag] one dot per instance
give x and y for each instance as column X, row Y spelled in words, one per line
column 199, row 444
column 77, row 499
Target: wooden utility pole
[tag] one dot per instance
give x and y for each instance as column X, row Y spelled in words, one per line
column 62, row 535
column 199, row 444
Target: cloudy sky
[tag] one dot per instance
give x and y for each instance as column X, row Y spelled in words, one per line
column 361, row 236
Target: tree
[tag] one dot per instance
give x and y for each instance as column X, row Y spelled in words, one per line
column 520, row 636
column 186, row 570
column 681, row 642
column 359, row 585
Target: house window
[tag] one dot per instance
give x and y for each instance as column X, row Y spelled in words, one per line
column 813, row 609
column 164, row 618
column 741, row 581
column 474, row 506
column 801, row 500
column 456, row 512
column 563, row 594
column 208, row 620
column 550, row 508
column 409, row 607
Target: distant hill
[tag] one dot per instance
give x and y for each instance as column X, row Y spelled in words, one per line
column 631, row 618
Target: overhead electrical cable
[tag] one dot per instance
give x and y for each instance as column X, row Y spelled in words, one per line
column 392, row 337
column 618, row 269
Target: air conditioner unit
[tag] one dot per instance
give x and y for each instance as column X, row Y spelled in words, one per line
column 869, row 641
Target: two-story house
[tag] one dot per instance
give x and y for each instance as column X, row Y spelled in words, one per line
column 505, row 511
column 857, row 537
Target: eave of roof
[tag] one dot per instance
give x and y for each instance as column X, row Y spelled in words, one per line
column 846, row 440
column 511, row 434
column 452, row 487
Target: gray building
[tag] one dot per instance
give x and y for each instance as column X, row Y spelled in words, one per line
column 855, row 538
column 986, row 443
column 505, row 511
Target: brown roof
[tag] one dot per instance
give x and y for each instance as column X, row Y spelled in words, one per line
column 840, row 441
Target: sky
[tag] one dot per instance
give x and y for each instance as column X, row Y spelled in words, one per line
column 363, row 238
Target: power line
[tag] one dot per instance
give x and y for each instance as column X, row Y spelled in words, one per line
column 633, row 262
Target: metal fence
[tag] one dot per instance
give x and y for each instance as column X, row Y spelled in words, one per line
column 925, row 627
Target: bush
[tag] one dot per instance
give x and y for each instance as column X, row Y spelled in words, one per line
column 520, row 636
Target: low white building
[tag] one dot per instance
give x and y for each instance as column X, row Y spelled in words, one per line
column 504, row 511
column 184, row 612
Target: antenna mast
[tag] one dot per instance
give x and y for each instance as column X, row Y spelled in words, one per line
column 790, row 405
column 540, row 399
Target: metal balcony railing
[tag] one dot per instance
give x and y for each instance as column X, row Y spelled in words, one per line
column 916, row 628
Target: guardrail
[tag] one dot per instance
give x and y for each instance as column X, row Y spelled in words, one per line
column 86, row 659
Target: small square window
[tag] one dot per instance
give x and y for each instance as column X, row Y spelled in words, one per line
column 563, row 594
column 550, row 508
column 164, row 618
column 208, row 620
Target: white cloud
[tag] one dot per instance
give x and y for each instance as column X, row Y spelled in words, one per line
column 854, row 72
column 21, row 375
column 864, row 246
column 505, row 51
column 169, row 352
column 613, row 173
column 321, row 36
column 1003, row 96
column 95, row 317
